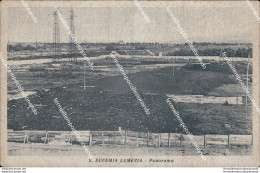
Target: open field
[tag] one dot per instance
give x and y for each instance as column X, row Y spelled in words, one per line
column 109, row 103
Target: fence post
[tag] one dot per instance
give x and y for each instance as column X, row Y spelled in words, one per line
column 159, row 139
column 125, row 136
column 147, row 139
column 205, row 141
column 46, row 137
column 169, row 135
column 137, row 139
column 114, row 138
column 90, row 139
column 228, row 140
column 181, row 141
column 69, row 140
column 102, row 139
column 25, row 136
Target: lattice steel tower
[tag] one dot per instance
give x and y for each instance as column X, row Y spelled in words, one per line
column 72, row 45
column 56, row 37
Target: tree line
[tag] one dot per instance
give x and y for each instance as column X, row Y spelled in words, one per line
column 240, row 52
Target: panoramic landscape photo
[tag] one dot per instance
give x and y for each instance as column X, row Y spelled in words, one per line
column 100, row 103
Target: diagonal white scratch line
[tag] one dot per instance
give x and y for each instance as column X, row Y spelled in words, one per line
column 138, row 5
column 253, row 9
column 184, row 35
column 250, row 96
column 74, row 38
column 29, row 11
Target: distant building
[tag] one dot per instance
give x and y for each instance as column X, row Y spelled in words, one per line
column 160, row 54
column 121, row 42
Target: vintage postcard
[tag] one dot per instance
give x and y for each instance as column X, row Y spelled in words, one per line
column 130, row 83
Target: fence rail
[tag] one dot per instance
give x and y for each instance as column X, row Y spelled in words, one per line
column 129, row 138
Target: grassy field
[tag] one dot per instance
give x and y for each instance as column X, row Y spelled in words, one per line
column 109, row 103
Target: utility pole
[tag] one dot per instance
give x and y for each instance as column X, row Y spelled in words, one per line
column 173, row 68
column 84, row 79
column 233, row 57
column 72, row 29
column 36, row 45
column 247, row 71
column 219, row 57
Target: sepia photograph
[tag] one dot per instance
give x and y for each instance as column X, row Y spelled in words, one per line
column 130, row 83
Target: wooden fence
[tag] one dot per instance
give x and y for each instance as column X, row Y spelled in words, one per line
column 129, row 138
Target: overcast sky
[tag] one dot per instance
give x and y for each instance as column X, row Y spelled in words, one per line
column 128, row 24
